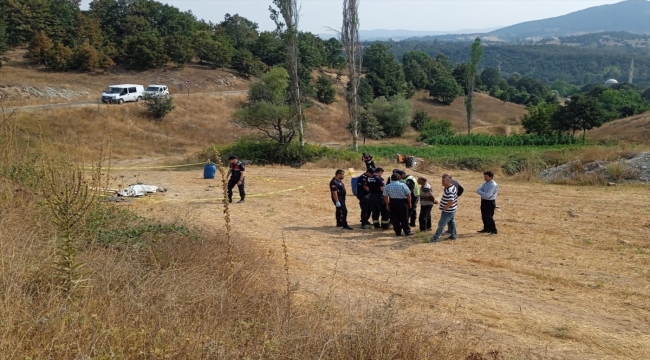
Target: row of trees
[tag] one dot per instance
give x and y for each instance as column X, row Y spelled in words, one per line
column 144, row 34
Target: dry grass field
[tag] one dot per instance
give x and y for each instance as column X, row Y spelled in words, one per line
column 635, row 129
column 567, row 277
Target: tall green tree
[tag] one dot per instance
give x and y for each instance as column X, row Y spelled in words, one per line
column 538, row 119
column 383, row 71
column 325, row 91
column 4, row 42
column 269, row 47
column 144, row 50
column 240, row 30
column 445, row 90
column 268, row 110
column 580, row 112
column 334, row 54
column 246, row 64
column 179, row 49
column 470, row 78
column 490, row 77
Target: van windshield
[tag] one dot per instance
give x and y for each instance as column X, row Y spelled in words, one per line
column 111, row 90
column 152, row 88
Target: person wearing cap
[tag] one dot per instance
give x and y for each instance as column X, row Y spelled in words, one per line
column 411, row 183
column 367, row 159
column 398, row 201
column 237, row 177
column 375, row 187
column 362, row 195
column 337, row 190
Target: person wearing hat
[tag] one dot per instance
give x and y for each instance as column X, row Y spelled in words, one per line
column 411, row 183
column 362, row 195
column 367, row 159
column 237, row 177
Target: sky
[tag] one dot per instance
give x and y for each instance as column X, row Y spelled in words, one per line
column 426, row 15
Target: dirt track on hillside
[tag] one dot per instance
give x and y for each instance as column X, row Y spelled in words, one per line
column 567, row 277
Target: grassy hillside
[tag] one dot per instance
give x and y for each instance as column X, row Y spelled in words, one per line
column 634, row 129
column 201, row 119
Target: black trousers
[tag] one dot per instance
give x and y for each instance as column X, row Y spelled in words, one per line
column 413, row 211
column 425, row 217
column 370, row 165
column 341, row 213
column 377, row 208
column 487, row 214
column 231, row 185
column 399, row 216
column 364, row 204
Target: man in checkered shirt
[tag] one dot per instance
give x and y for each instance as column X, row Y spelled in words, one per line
column 398, row 201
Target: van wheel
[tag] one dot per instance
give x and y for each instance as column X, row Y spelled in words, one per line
column 138, row 99
column 120, row 101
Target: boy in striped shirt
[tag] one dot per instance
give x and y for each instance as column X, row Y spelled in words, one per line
column 448, row 207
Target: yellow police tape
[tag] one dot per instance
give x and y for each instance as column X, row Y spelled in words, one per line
column 269, row 193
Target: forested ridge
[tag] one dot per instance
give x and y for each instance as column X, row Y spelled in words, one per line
column 576, row 65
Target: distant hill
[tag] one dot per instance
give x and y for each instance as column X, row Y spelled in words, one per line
column 632, row 16
column 399, row 34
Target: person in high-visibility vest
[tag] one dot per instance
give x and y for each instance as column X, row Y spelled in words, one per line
column 411, row 182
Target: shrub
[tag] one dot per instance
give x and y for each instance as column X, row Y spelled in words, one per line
column 419, row 119
column 621, row 171
column 495, row 140
column 325, row 92
column 266, row 152
column 445, row 90
column 392, row 114
column 159, row 106
column 436, row 128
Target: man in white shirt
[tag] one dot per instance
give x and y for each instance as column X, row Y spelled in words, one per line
column 488, row 192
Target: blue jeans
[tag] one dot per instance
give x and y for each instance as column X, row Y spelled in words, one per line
column 446, row 218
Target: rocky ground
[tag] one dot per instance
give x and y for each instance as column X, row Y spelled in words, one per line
column 636, row 169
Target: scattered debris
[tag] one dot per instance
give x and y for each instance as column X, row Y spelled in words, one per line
column 138, row 190
column 573, row 213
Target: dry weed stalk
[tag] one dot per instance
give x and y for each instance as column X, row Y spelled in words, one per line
column 285, row 251
column 226, row 212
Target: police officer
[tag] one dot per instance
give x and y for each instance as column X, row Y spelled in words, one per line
column 375, row 186
column 367, row 158
column 237, row 177
column 362, row 195
column 411, row 182
column 337, row 189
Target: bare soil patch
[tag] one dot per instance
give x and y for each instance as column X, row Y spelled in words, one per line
column 567, row 277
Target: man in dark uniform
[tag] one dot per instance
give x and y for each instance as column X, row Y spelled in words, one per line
column 237, row 177
column 411, row 183
column 367, row 158
column 337, row 189
column 362, row 195
column 375, row 186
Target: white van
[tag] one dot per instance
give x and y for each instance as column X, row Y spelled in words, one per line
column 156, row 90
column 122, row 93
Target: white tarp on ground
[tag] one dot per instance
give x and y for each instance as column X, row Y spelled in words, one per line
column 138, row 190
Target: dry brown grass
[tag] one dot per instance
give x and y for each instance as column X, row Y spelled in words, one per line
column 188, row 294
column 567, row 276
column 635, row 129
column 489, row 112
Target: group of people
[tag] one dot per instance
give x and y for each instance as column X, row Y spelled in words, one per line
column 395, row 201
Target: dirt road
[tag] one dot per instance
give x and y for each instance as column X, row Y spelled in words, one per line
column 567, row 277
column 98, row 102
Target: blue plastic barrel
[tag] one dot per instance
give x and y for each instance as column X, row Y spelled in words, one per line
column 209, row 171
column 355, row 180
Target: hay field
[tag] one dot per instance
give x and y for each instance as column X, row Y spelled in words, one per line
column 568, row 276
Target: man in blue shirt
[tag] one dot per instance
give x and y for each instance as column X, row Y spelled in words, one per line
column 488, row 192
column 398, row 201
